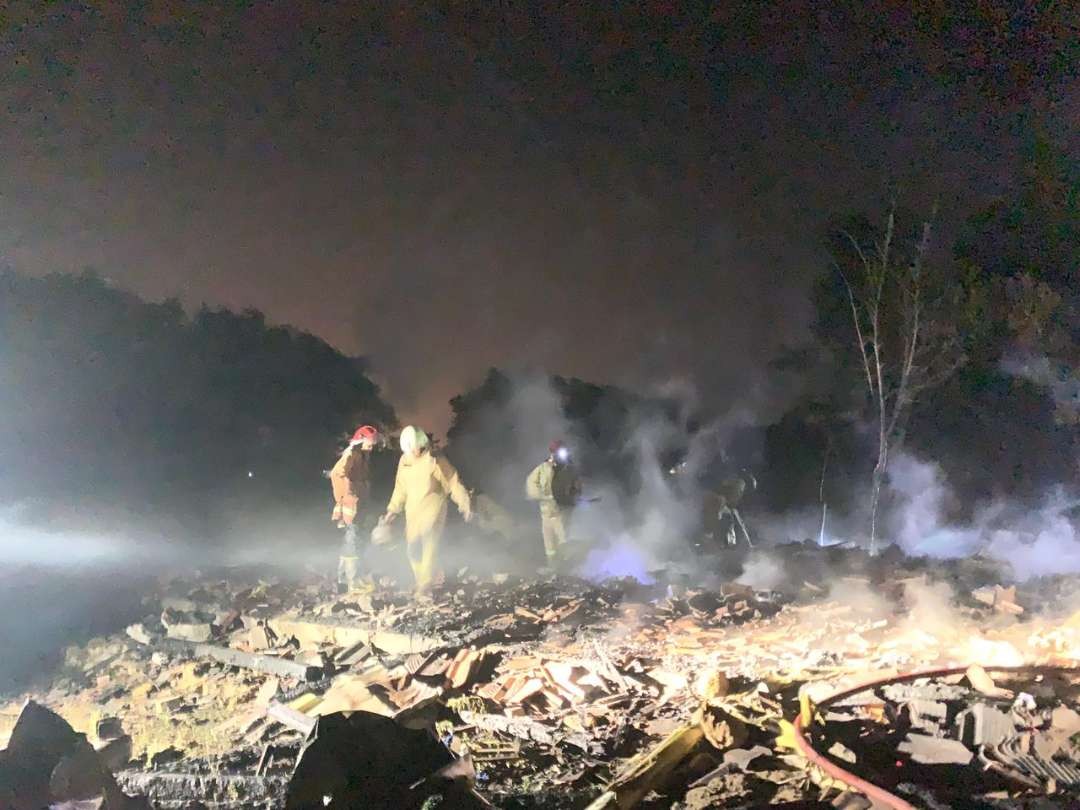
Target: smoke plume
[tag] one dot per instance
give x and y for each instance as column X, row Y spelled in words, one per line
column 1034, row 540
column 1060, row 380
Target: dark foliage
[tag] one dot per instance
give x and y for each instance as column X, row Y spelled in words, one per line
column 1005, row 425
column 110, row 398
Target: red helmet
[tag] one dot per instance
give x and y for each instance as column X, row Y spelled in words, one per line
column 555, row 446
column 365, row 432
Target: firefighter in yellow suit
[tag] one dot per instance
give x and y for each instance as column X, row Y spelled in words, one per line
column 556, row 486
column 424, row 484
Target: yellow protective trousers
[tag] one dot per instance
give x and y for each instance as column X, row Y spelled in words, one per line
column 423, row 554
column 553, row 527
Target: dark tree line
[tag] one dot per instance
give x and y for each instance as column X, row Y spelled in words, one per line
column 106, row 397
column 1003, row 422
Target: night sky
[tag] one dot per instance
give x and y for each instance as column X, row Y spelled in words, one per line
column 632, row 195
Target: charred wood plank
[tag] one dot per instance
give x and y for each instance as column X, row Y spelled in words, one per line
column 649, row 770
column 291, row 718
column 270, row 664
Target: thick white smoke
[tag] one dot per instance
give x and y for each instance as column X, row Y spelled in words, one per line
column 1033, row 541
column 612, row 534
column 919, row 522
column 650, row 531
column 763, row 572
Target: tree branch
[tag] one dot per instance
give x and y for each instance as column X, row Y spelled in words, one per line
column 904, row 390
column 858, row 328
column 883, row 253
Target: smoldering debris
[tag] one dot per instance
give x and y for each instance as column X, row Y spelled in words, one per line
column 549, row 693
column 966, row 738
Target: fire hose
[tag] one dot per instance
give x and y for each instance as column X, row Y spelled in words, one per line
column 870, row 790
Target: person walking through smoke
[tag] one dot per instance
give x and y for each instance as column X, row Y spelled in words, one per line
column 424, row 484
column 351, row 482
column 554, row 483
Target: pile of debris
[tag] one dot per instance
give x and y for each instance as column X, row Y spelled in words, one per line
column 964, row 738
column 47, row 764
column 560, row 692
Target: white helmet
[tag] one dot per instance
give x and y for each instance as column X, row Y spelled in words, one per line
column 413, row 438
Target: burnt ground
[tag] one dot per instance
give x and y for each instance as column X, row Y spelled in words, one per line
column 550, row 692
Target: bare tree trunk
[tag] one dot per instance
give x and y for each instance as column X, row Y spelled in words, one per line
column 879, row 469
column 875, row 497
column 821, row 490
column 874, row 301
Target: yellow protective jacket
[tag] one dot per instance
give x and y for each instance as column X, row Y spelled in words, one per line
column 421, row 490
column 541, row 486
column 351, row 481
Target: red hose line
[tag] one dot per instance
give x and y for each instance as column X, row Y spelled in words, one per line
column 868, row 789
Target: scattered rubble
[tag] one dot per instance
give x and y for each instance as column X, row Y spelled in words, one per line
column 366, row 760
column 561, row 692
column 46, row 763
column 1000, row 599
column 979, row 744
